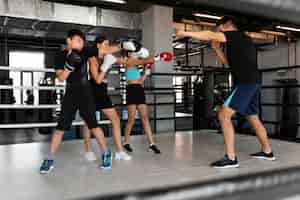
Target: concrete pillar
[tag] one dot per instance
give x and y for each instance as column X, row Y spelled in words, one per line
column 157, row 26
column 157, row 30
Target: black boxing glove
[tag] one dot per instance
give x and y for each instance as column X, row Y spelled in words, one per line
column 73, row 60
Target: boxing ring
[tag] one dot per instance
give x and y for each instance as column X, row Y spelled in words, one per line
column 163, row 93
column 37, row 105
column 180, row 172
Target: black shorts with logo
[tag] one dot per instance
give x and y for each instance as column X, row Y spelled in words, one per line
column 77, row 97
column 135, row 94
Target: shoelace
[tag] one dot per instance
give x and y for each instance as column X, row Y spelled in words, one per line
column 106, row 157
column 46, row 163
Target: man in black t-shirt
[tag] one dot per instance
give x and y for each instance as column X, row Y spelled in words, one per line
column 71, row 65
column 241, row 58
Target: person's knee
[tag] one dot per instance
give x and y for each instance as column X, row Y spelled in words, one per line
column 115, row 119
column 93, row 130
column 96, row 131
column 58, row 132
column 130, row 121
column 252, row 118
column 144, row 117
column 224, row 114
column 221, row 114
column 86, row 132
column 116, row 122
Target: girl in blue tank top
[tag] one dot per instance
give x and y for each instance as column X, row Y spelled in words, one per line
column 132, row 73
column 136, row 101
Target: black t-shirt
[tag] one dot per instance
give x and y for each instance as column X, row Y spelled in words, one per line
column 79, row 75
column 242, row 58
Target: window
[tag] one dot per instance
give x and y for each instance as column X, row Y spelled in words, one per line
column 26, row 59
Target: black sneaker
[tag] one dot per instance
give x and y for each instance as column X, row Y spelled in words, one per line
column 128, row 148
column 225, row 163
column 264, row 156
column 154, row 148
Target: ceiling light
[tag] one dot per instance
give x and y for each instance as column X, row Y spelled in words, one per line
column 206, row 16
column 116, row 1
column 288, row 28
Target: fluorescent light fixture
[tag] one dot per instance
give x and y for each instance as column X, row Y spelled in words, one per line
column 206, row 16
column 288, row 28
column 116, row 1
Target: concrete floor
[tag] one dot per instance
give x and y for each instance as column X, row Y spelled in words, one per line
column 20, row 136
column 185, row 159
column 284, row 192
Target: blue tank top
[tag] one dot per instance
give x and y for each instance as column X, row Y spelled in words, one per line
column 132, row 73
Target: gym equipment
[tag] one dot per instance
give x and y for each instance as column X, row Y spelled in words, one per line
column 6, row 97
column 289, row 115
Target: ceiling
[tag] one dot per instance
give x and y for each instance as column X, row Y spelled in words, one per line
column 183, row 9
column 50, row 30
column 131, row 5
column 253, row 14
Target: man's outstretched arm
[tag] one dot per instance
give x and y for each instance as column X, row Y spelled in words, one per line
column 203, row 35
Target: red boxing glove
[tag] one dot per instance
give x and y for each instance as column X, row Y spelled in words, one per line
column 148, row 66
column 164, row 56
column 148, row 69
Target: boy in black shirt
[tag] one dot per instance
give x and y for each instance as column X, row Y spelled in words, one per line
column 241, row 57
column 71, row 65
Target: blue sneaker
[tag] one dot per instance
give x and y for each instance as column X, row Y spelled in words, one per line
column 47, row 166
column 106, row 160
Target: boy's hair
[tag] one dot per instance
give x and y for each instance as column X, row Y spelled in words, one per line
column 227, row 18
column 75, row 32
column 100, row 39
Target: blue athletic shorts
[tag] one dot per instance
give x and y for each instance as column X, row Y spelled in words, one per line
column 244, row 99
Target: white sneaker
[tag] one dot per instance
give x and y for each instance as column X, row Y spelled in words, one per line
column 122, row 156
column 90, row 156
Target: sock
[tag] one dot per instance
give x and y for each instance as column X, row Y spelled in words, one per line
column 106, row 151
column 233, row 156
column 51, row 156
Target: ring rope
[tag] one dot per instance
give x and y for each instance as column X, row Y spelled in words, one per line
column 45, row 124
column 26, row 69
column 31, row 69
column 22, row 106
column 40, row 87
